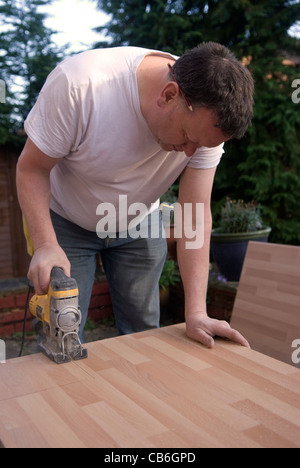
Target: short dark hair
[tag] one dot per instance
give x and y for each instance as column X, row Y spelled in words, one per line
column 211, row 76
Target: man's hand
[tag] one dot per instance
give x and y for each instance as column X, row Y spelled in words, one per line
column 202, row 328
column 44, row 259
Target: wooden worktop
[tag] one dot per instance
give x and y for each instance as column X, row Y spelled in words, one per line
column 152, row 389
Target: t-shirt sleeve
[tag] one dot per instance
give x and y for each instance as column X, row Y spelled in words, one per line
column 206, row 158
column 53, row 123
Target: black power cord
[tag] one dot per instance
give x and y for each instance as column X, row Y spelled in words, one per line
column 30, row 289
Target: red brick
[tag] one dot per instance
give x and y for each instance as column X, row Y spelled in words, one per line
column 7, row 302
column 21, row 299
column 100, row 288
column 12, row 317
column 19, row 326
column 101, row 300
column 18, row 315
column 6, row 317
column 99, row 314
column 7, row 330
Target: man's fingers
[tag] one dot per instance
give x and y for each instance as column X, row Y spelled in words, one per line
column 204, row 330
column 41, row 265
column 202, row 336
column 40, row 282
column 238, row 338
column 224, row 330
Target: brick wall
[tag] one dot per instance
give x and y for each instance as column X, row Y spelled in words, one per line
column 12, row 309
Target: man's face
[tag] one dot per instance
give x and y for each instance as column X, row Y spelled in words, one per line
column 178, row 129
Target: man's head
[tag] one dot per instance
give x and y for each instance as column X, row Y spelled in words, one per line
column 208, row 79
column 210, row 76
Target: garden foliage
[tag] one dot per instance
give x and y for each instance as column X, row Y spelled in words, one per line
column 265, row 165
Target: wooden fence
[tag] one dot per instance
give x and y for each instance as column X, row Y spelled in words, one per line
column 13, row 256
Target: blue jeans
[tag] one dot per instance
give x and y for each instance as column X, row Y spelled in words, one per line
column 132, row 267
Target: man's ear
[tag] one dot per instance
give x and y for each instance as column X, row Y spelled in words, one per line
column 168, row 94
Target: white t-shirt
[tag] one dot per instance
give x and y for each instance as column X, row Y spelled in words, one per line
column 88, row 114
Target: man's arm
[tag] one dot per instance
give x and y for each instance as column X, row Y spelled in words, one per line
column 33, row 184
column 195, row 187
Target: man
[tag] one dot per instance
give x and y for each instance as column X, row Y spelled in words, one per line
column 127, row 122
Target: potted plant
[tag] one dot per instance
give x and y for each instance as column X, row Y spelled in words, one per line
column 240, row 222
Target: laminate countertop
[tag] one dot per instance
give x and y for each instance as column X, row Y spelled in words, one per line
column 152, row 389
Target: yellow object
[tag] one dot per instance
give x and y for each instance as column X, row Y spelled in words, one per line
column 40, row 305
column 30, row 248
